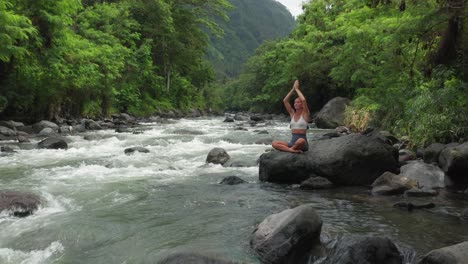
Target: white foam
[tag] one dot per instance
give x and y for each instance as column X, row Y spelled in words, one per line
column 8, row 255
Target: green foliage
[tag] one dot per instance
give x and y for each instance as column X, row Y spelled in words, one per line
column 97, row 57
column 384, row 54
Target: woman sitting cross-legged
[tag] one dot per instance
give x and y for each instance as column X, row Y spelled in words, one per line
column 299, row 117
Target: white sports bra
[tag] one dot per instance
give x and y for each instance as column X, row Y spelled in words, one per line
column 300, row 124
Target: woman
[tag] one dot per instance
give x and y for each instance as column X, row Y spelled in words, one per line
column 299, row 117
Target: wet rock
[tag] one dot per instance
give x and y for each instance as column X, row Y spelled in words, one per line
column 353, row 159
column 241, row 117
column 431, row 153
column 11, row 124
column 7, row 149
column 391, row 184
column 7, row 131
column 454, row 162
column 316, row 183
column 412, row 206
column 217, row 156
column 26, row 129
column 53, row 143
column 129, row 151
column 92, row 125
column 241, row 129
column 123, row 130
column 65, row 129
column 289, row 236
column 256, row 118
column 365, row 250
column 424, row 192
column 262, row 132
column 46, row 132
column 426, row 175
column 79, row 128
column 240, row 163
column 332, row 114
column 232, row 180
column 19, row 204
column 228, row 120
column 193, row 258
column 464, row 214
column 455, row 254
column 194, row 113
column 37, row 127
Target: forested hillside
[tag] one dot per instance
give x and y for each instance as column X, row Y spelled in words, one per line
column 71, row 58
column 404, row 64
column 250, row 24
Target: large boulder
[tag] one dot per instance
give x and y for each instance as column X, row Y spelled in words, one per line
column 426, row 175
column 19, row 204
column 7, row 131
column 348, row 160
column 456, row 254
column 289, row 236
column 53, row 143
column 217, row 156
column 431, row 153
column 364, row 250
column 454, row 162
column 332, row 114
column 39, row 126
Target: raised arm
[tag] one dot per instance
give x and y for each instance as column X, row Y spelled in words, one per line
column 303, row 99
column 287, row 104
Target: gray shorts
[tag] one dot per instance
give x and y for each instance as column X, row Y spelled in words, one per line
column 295, row 137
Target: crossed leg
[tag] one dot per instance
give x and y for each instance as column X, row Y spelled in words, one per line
column 283, row 146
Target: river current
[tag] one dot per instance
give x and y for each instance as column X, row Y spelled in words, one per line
column 102, row 206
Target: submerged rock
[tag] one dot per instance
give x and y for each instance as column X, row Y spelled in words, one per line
column 316, row 183
column 364, row 250
column 193, row 258
column 411, row 206
column 456, row 254
column 232, row 180
column 129, row 151
column 19, row 204
column 348, row 160
column 289, row 236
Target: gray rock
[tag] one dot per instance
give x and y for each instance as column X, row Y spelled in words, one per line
column 455, row 254
column 289, row 236
column 92, row 125
column 431, row 153
column 256, row 118
column 232, row 180
column 426, row 175
column 53, row 143
column 241, row 117
column 11, row 124
column 7, row 131
column 391, row 184
column 332, row 114
column 26, row 129
column 46, row 132
column 195, row 113
column 364, row 250
column 424, row 192
column 65, row 129
column 79, row 128
column 228, row 120
column 464, row 214
column 217, row 156
column 316, row 183
column 405, row 155
column 193, row 258
column 353, row 159
column 39, row 126
column 23, row 139
column 19, row 204
column 454, row 162
column 129, row 151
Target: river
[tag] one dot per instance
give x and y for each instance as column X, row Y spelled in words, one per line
column 102, row 206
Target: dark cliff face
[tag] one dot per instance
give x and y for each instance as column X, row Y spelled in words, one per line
column 251, row 23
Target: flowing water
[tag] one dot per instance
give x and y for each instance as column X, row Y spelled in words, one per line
column 102, row 206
